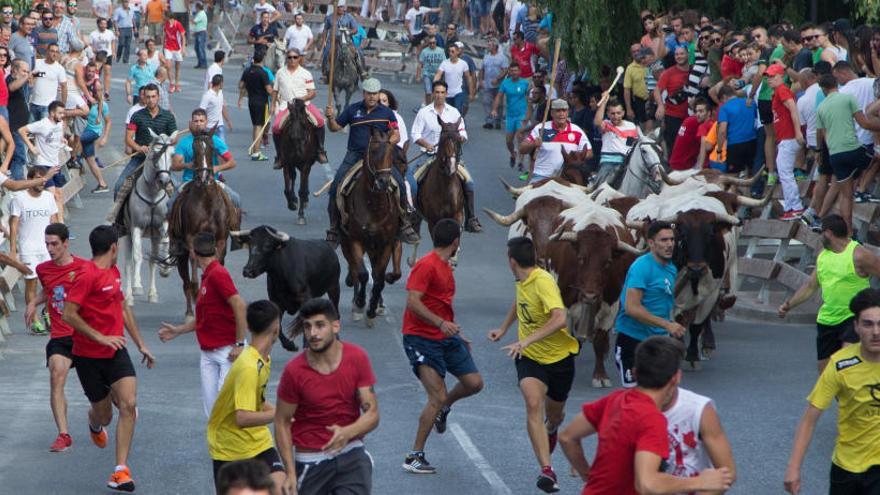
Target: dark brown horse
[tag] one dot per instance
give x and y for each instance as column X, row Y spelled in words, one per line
column 370, row 227
column 202, row 206
column 297, row 148
column 441, row 192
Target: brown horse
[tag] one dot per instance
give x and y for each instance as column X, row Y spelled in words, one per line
column 297, row 148
column 202, row 206
column 371, row 225
column 441, row 192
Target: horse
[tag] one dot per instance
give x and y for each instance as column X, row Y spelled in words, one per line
column 145, row 211
column 641, row 170
column 345, row 71
column 276, row 55
column 201, row 207
column 297, row 147
column 370, row 226
column 441, row 193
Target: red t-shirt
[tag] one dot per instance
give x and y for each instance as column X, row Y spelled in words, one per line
column 174, row 31
column 215, row 321
column 4, row 93
column 523, row 57
column 672, row 80
column 324, row 400
column 57, row 281
column 433, row 278
column 731, row 67
column 98, row 292
column 687, row 145
column 782, row 122
column 627, row 421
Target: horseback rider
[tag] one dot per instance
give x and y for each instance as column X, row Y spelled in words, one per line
column 345, row 21
column 294, row 82
column 426, row 133
column 361, row 117
column 183, row 156
column 556, row 135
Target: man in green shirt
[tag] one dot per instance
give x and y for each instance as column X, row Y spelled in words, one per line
column 200, row 33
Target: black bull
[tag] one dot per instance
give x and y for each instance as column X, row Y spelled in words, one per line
column 296, row 270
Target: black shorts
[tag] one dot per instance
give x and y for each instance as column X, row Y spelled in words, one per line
column 450, row 354
column 740, row 156
column 62, row 346
column 830, row 338
column 258, row 113
column 417, row 39
column 825, row 163
column 765, row 111
column 843, row 482
column 638, row 105
column 96, row 375
column 849, row 164
column 557, row 376
column 350, row 473
column 625, row 358
column 268, row 457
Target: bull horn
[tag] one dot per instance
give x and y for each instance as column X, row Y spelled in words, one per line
column 638, row 225
column 515, row 191
column 505, row 220
column 564, row 235
column 239, row 233
column 725, row 217
column 742, row 182
column 628, row 248
column 667, row 179
column 756, row 203
column 281, row 236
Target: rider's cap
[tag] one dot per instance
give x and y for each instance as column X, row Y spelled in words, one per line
column 371, row 85
column 559, row 104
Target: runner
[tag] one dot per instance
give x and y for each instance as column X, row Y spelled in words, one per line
column 57, row 277
column 174, row 47
column 326, row 405
column 851, row 381
column 646, row 300
column 299, row 35
column 543, row 353
column 256, row 84
column 430, row 58
column 215, row 106
column 633, row 437
column 514, row 91
column 561, row 135
column 96, row 310
column 454, row 72
column 103, row 40
column 433, row 341
column 238, row 425
column 49, row 138
column 220, row 323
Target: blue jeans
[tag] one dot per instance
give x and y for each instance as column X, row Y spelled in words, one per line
column 88, row 139
column 233, row 196
column 4, row 112
column 130, row 167
column 123, row 45
column 201, row 40
column 19, row 157
column 488, row 100
column 458, row 101
column 352, row 157
column 39, row 112
column 221, row 131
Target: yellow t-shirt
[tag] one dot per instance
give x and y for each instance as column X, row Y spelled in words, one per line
column 635, row 79
column 244, row 389
column 855, row 384
column 536, row 296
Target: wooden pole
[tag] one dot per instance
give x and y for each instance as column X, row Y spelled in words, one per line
column 552, row 84
column 332, row 56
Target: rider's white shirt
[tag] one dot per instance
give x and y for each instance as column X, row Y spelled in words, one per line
column 297, row 37
column 291, row 85
column 426, row 126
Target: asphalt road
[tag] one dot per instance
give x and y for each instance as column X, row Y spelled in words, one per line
column 758, row 377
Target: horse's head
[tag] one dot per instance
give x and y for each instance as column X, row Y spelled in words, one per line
column 203, row 156
column 158, row 162
column 643, row 164
column 379, row 159
column 449, row 146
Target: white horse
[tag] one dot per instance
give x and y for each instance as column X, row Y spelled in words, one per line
column 146, row 211
column 643, row 165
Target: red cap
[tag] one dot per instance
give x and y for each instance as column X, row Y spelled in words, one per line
column 774, row 70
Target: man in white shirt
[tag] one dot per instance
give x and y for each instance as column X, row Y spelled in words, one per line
column 415, row 19
column 557, row 135
column 49, row 76
column 862, row 89
column 806, row 106
column 426, row 134
column 295, row 82
column 215, row 68
column 454, row 71
column 104, row 40
column 265, row 6
column 101, row 8
column 29, row 215
column 49, row 134
column 215, row 106
column 299, row 35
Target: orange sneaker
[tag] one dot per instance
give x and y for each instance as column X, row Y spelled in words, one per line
column 100, row 438
column 61, row 443
column 121, row 480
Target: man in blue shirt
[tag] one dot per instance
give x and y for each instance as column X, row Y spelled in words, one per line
column 736, row 128
column 514, row 90
column 361, row 117
column 647, row 299
column 123, row 24
column 139, row 75
column 183, row 156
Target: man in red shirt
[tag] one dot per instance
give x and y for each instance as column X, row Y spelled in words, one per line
column 789, row 141
column 96, row 310
column 687, row 144
column 175, row 47
column 57, row 276
column 633, row 441
column 326, row 404
column 432, row 340
column 673, row 109
column 522, row 52
column 220, row 323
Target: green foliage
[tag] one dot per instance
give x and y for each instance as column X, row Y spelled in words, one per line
column 869, row 10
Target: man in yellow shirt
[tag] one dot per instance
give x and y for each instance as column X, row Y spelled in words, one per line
column 852, row 379
column 544, row 352
column 238, row 427
column 635, row 84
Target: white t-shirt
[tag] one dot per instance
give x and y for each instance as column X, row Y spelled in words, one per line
column 3, row 178
column 34, row 215
column 687, row 457
column 131, row 111
column 806, row 106
column 213, row 104
column 212, row 71
column 49, row 141
column 453, row 75
column 549, row 159
column 862, row 89
column 401, row 129
column 260, row 8
column 416, row 19
column 45, row 89
column 102, row 7
column 298, row 37
column 614, row 138
column 291, row 85
column 102, row 41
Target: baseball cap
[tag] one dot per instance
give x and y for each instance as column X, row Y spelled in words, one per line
column 458, row 44
column 371, row 85
column 559, row 104
column 774, row 70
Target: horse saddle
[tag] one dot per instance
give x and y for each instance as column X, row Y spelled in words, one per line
column 347, row 184
column 311, row 118
column 116, row 215
column 422, row 171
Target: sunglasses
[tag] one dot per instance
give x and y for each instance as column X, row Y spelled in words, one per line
column 6, row 12
column 716, row 40
column 705, row 38
column 292, row 57
column 48, row 18
column 809, row 38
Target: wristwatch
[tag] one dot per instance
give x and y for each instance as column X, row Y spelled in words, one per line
column 241, row 344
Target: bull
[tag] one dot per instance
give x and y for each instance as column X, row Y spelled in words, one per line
column 296, row 270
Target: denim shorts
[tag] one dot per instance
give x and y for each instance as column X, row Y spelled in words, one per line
column 450, row 354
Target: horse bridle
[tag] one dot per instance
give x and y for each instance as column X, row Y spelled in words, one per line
column 653, row 186
column 369, row 166
column 202, row 138
column 152, row 203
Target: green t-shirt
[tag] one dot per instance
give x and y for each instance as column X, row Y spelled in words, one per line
column 200, row 22
column 766, row 92
column 817, row 55
column 835, row 116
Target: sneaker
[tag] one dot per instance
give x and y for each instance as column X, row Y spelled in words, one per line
column 524, row 176
column 99, row 163
column 867, row 197
column 800, row 175
column 47, row 322
column 487, row 126
column 791, row 215
column 99, row 438
column 771, row 179
column 547, row 480
column 440, row 419
column 259, row 157
column 121, row 480
column 417, row 464
column 37, row 327
column 61, row 443
column 100, row 189
column 512, row 162
column 816, row 225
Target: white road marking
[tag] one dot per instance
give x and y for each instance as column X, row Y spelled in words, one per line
column 495, row 481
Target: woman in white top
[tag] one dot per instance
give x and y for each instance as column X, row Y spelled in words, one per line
column 387, row 98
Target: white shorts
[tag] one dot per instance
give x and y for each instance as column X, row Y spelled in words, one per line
column 173, row 55
column 32, row 260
